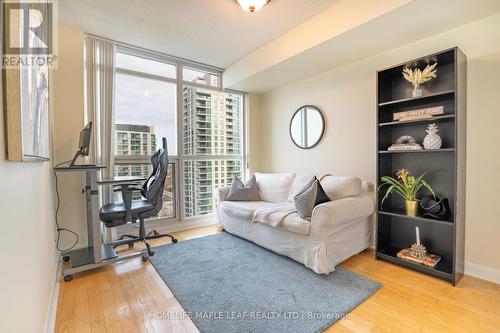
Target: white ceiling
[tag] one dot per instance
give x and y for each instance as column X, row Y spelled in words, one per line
column 292, row 58
column 214, row 32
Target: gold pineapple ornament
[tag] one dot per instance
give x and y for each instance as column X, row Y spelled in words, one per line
column 432, row 140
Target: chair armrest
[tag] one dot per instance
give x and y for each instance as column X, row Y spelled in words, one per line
column 127, row 189
column 221, row 194
column 337, row 212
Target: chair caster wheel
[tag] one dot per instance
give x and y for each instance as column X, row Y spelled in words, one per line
column 144, row 258
column 174, row 240
column 68, row 278
column 151, row 253
column 65, row 258
column 130, row 245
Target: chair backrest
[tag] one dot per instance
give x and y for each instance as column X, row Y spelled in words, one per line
column 153, row 188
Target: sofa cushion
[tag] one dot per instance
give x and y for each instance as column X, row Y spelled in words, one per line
column 295, row 224
column 274, row 187
column 338, row 187
column 243, row 209
column 243, row 192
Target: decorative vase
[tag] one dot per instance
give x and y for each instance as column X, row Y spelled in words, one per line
column 432, row 140
column 417, row 91
column 411, row 207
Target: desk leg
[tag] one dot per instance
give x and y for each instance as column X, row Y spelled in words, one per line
column 93, row 223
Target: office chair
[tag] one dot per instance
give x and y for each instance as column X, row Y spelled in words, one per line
column 115, row 214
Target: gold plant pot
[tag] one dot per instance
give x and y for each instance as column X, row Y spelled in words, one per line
column 411, row 207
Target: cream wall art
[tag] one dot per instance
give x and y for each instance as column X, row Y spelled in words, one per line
column 26, row 92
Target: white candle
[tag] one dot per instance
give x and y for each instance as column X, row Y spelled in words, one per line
column 417, row 232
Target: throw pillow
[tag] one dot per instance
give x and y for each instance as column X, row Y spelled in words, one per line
column 321, row 196
column 312, row 194
column 243, row 192
column 304, row 202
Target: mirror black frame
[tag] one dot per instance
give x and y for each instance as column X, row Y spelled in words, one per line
column 322, row 126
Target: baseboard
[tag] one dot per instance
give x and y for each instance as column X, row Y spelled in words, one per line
column 482, row 272
column 166, row 227
column 50, row 322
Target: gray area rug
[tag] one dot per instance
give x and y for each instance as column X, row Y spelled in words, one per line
column 227, row 284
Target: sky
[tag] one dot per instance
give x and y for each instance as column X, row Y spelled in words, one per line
column 148, row 102
column 144, row 101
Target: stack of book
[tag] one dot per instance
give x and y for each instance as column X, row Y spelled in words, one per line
column 418, row 114
column 430, row 260
column 405, row 146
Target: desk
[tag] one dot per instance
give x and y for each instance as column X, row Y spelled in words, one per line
column 119, row 180
column 96, row 253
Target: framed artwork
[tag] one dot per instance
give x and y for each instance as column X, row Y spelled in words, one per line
column 26, row 96
column 27, row 113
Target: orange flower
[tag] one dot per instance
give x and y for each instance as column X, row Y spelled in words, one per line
column 403, row 175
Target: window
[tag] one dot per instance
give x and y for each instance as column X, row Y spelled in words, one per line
column 145, row 109
column 205, row 160
column 145, row 112
column 200, row 77
column 143, row 65
column 151, row 92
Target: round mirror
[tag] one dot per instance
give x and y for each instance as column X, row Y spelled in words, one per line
column 307, row 126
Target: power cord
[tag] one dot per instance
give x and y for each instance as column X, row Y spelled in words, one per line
column 59, row 228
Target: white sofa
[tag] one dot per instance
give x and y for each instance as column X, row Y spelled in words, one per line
column 337, row 230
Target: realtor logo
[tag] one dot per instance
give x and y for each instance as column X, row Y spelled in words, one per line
column 28, row 32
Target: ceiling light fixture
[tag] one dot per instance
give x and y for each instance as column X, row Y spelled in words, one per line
column 252, row 5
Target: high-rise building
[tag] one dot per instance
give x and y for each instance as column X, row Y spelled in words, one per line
column 140, row 140
column 211, row 127
column 133, row 140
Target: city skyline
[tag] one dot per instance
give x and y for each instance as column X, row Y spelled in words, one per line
column 210, row 126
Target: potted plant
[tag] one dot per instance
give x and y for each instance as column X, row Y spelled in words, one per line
column 407, row 187
column 417, row 77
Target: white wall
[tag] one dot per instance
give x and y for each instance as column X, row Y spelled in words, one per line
column 347, row 96
column 68, row 122
column 28, row 254
column 253, row 142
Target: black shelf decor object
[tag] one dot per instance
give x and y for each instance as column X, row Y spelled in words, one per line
column 444, row 167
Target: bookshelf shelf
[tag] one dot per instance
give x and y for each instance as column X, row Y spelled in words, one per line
column 422, row 151
column 443, row 268
column 447, row 93
column 403, row 217
column 444, row 168
column 445, row 117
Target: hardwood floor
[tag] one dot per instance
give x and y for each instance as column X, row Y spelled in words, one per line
column 120, row 298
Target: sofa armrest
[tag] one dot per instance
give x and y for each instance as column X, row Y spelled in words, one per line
column 221, row 194
column 337, row 212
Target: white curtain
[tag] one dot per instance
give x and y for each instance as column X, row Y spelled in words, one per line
column 99, row 104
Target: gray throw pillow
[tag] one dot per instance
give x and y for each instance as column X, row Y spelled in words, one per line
column 305, row 200
column 243, row 192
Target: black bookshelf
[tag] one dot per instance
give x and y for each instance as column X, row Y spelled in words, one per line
column 444, row 167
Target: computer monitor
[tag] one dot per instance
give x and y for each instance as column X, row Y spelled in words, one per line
column 84, row 143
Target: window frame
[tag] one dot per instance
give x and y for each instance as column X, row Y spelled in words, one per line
column 180, row 157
